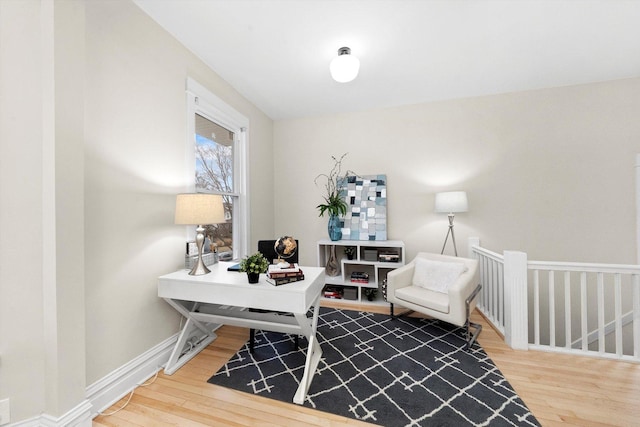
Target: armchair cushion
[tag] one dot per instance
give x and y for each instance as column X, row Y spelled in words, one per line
column 437, row 301
column 437, row 276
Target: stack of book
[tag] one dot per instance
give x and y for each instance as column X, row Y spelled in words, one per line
column 333, row 292
column 279, row 275
column 359, row 277
column 388, row 257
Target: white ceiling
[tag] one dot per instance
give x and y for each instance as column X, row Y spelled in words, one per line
column 277, row 52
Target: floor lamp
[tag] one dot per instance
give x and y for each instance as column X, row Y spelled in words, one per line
column 451, row 202
column 199, row 209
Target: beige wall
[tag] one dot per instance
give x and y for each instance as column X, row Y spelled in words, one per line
column 134, row 165
column 22, row 367
column 41, row 194
column 548, row 172
column 92, row 153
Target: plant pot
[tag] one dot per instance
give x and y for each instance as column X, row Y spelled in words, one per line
column 253, row 277
column 334, row 228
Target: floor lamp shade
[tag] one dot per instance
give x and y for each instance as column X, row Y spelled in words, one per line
column 451, row 202
column 199, row 209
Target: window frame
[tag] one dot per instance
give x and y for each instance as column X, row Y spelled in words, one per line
column 201, row 101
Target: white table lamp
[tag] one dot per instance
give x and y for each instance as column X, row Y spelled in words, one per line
column 199, row 209
column 451, row 202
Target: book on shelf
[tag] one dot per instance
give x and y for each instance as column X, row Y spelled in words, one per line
column 332, row 292
column 334, row 295
column 388, row 257
column 359, row 277
column 277, row 281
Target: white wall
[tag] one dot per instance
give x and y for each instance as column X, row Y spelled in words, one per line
column 134, row 165
column 21, row 207
column 92, row 153
column 41, row 194
column 548, row 172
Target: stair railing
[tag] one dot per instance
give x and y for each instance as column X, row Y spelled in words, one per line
column 579, row 308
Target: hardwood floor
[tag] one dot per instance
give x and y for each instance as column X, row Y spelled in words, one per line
column 557, row 388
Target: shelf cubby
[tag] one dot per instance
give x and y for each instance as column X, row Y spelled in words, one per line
column 375, row 258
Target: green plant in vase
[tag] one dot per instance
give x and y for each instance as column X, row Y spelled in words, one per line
column 253, row 265
column 334, row 203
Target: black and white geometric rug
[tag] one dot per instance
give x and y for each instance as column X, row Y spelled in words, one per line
column 390, row 372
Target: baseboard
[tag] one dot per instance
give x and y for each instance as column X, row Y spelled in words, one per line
column 108, row 390
column 80, row 416
column 105, row 392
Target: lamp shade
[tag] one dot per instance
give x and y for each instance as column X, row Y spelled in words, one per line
column 451, row 202
column 345, row 66
column 197, row 209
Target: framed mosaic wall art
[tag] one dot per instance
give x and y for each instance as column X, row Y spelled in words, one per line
column 366, row 198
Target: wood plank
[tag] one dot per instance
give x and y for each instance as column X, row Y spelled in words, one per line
column 559, row 389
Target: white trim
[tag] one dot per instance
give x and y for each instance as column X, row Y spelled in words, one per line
column 201, row 101
column 244, row 217
column 637, row 168
column 111, row 388
column 225, row 115
column 515, row 297
column 80, row 416
column 108, row 390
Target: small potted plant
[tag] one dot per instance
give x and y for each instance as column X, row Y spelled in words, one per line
column 349, row 251
column 253, row 265
column 371, row 293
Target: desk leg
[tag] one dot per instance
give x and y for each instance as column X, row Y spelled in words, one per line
column 187, row 313
column 176, row 360
column 314, row 352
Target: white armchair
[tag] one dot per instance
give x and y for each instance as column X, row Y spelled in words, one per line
column 440, row 286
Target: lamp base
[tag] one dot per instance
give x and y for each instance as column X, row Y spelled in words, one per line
column 199, row 268
column 453, row 237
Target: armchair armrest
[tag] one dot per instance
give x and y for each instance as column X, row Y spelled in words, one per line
column 399, row 278
column 465, row 286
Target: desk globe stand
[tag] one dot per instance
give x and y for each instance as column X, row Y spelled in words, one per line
column 285, row 247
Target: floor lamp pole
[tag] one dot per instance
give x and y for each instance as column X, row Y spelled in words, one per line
column 453, row 237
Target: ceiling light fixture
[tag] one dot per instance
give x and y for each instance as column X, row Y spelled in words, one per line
column 345, row 66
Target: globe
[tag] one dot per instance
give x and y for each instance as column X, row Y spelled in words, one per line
column 285, row 247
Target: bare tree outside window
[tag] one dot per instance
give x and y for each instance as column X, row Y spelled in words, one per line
column 214, row 174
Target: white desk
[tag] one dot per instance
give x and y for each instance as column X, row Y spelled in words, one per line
column 221, row 296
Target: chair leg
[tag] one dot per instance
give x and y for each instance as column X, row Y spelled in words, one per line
column 471, row 338
column 391, row 309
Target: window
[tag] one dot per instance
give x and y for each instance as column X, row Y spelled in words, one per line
column 217, row 151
